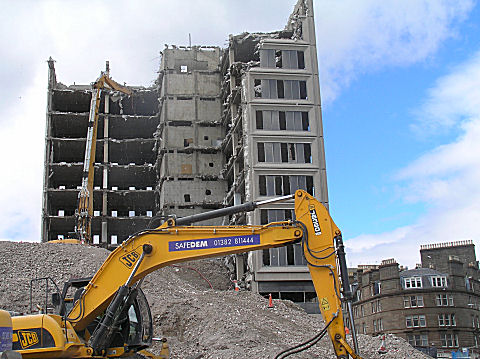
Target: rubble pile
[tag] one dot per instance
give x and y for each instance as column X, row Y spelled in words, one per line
column 197, row 321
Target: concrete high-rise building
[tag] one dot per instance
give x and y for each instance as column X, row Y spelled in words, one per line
column 274, row 144
column 221, row 127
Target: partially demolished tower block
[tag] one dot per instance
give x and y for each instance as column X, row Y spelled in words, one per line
column 274, row 144
column 190, row 134
column 226, row 126
column 125, row 179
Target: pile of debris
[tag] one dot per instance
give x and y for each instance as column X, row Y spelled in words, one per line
column 198, row 321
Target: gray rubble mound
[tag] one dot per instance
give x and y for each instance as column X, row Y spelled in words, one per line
column 196, row 320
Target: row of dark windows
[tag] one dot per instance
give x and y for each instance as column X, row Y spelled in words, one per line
column 280, row 152
column 284, row 185
column 282, row 59
column 289, row 255
column 281, row 89
column 282, row 120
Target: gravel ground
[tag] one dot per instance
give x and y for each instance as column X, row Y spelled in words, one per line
column 196, row 320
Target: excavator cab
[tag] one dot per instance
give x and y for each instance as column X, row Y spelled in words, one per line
column 135, row 325
column 133, row 328
column 63, row 302
column 130, row 332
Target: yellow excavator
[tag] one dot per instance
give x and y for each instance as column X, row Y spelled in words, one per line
column 109, row 317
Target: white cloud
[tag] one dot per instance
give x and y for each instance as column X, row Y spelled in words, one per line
column 80, row 37
column 355, row 37
column 447, row 178
column 22, row 151
column 366, row 242
column 453, row 100
column 131, row 35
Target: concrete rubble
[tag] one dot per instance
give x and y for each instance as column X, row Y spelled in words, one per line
column 197, row 321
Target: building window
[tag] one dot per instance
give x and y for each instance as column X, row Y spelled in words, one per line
column 276, row 215
column 280, row 89
column 364, row 328
column 257, row 88
column 280, row 152
column 362, row 311
column 282, row 120
column 286, row 59
column 444, row 300
column 303, row 90
column 284, row 185
column 446, row 320
column 267, row 58
column 469, row 284
column 291, row 255
column 413, row 282
column 439, row 281
column 449, row 340
column 292, row 59
column 413, row 301
column 375, row 288
column 376, row 306
column 377, row 325
column 415, row 321
column 472, row 303
column 418, row 340
column 301, row 60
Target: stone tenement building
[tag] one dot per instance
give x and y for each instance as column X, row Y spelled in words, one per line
column 435, row 305
column 221, row 127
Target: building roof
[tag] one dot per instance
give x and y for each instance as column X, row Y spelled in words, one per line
column 420, row 272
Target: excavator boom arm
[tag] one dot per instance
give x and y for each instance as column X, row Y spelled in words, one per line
column 168, row 244
column 105, row 79
column 85, row 196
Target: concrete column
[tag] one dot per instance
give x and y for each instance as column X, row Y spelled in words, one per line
column 51, row 84
column 195, row 124
column 104, row 236
column 239, row 258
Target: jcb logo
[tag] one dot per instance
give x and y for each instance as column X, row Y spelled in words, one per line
column 130, row 258
column 27, row 338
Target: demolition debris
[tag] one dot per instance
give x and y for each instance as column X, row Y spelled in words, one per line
column 196, row 319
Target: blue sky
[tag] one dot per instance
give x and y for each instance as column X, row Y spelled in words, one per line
column 400, row 91
column 379, row 126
